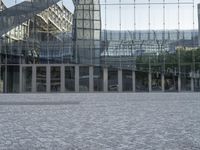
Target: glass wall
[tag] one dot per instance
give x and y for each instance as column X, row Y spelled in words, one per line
column 112, row 79
column 27, row 79
column 41, row 79
column 98, row 79
column 55, row 79
column 69, row 79
column 83, row 79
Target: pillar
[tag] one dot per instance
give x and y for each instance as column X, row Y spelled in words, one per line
column 105, row 79
column 76, row 78
column 192, row 84
column 150, row 82
column 179, row 83
column 20, row 79
column 91, row 79
column 34, row 79
column 6, row 78
column 62, row 78
column 48, row 78
column 120, row 80
column 133, row 79
column 163, row 82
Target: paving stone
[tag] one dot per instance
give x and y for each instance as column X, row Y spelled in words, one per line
column 99, row 121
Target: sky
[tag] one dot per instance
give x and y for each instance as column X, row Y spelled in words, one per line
column 112, row 15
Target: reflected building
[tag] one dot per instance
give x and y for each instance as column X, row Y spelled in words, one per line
column 87, row 31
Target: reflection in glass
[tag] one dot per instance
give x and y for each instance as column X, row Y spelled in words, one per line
column 197, row 73
column 112, row 79
column 156, row 82
column 127, row 80
column 41, row 79
column 98, row 79
column 84, row 78
column 13, row 79
column 55, row 79
column 26, row 79
column 171, row 83
column 186, row 78
column 141, row 81
column 69, row 78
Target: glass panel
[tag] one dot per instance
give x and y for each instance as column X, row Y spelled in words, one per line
column 186, row 77
column 55, row 79
column 84, row 78
column 127, row 80
column 142, row 67
column 13, row 79
column 80, row 23
column 98, row 79
column 141, row 81
column 171, row 72
column 69, row 79
column 87, row 24
column 41, row 79
column 157, row 60
column 171, row 82
column 97, row 24
column 156, row 81
column 80, row 14
column 97, row 34
column 26, row 79
column 112, row 80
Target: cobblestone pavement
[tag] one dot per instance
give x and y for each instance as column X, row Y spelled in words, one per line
column 100, row 121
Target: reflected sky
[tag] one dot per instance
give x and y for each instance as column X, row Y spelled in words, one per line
column 111, row 19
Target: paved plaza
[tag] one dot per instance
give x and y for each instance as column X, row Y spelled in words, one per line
column 113, row 121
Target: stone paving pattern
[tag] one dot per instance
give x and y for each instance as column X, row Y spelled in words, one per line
column 100, row 121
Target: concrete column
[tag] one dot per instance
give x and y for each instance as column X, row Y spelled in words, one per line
column 20, row 79
column 192, row 84
column 150, row 82
column 62, row 79
column 34, row 79
column 179, row 83
column 48, row 78
column 120, row 80
column 76, row 78
column 133, row 79
column 105, row 79
column 163, row 82
column 91, row 78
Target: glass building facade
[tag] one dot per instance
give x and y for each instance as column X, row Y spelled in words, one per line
column 52, row 50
